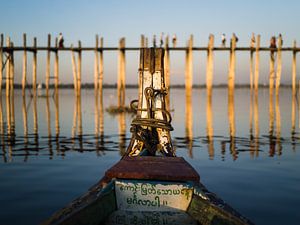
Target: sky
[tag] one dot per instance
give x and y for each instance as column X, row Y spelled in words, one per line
column 113, row 19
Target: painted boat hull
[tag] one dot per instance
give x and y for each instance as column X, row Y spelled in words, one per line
column 149, row 195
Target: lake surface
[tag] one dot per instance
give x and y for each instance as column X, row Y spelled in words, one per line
column 246, row 149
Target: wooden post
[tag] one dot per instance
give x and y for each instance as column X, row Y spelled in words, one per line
column 101, row 66
column 167, row 72
column 24, row 73
column 231, row 74
column 25, row 119
column 79, row 69
column 294, row 77
column 1, row 62
column 96, row 64
column 56, row 66
column 121, row 74
column 12, row 70
column 151, row 97
column 209, row 65
column 48, row 65
column 74, row 69
column 34, row 66
column 256, row 70
column 142, row 41
column 189, row 64
column 279, row 64
column 8, row 68
column 272, row 71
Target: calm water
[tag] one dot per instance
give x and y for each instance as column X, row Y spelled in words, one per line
column 246, row 149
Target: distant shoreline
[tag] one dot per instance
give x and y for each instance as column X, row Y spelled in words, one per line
column 133, row 86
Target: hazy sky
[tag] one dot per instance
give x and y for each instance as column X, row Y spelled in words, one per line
column 112, row 19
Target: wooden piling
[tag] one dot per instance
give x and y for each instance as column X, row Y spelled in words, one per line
column 279, row 64
column 189, row 64
column 294, row 63
column 272, row 71
column 231, row 73
column 24, row 71
column 56, row 67
column 209, row 65
column 79, row 69
column 256, row 70
column 96, row 64
column 8, row 68
column 12, row 70
column 25, row 118
column 34, row 66
column 143, row 41
column 48, row 64
column 121, row 73
column 101, row 66
column 74, row 70
column 167, row 72
column 1, row 62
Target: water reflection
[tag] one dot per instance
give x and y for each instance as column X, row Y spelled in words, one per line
column 26, row 132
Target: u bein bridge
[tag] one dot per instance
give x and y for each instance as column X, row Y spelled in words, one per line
column 8, row 63
column 80, row 141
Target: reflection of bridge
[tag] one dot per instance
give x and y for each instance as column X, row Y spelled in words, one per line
column 8, row 62
column 34, row 141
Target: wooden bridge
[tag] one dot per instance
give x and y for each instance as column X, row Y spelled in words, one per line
column 7, row 58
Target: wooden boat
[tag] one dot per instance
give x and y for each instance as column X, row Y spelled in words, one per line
column 149, row 185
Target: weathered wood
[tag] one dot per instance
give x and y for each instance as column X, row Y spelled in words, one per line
column 256, row 70
column 48, row 65
column 79, row 69
column 279, row 64
column 121, row 74
column 12, row 71
column 56, row 67
column 209, row 65
column 231, row 73
column 101, row 66
column 8, row 64
column 167, row 72
column 294, row 77
column 96, row 64
column 24, row 71
column 1, row 62
column 189, row 64
column 154, row 168
column 34, row 66
column 74, row 70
